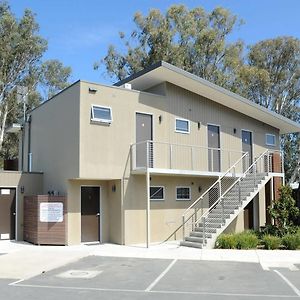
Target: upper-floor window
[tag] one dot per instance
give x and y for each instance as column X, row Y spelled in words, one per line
column 182, row 125
column 157, row 193
column 270, row 139
column 183, row 193
column 101, row 114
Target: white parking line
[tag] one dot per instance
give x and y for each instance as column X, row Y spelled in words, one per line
column 154, row 283
column 157, row 292
column 288, row 283
column 16, row 282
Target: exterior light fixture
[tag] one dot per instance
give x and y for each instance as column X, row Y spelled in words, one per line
column 160, row 119
column 199, row 125
column 92, row 90
column 234, row 130
column 22, row 189
column 199, row 188
column 113, row 188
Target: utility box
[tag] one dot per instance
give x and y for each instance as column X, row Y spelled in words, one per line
column 45, row 220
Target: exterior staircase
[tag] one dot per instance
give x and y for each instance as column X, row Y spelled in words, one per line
column 227, row 197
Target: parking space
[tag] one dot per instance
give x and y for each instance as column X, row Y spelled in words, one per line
column 140, row 278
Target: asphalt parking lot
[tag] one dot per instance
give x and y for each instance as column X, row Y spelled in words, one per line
column 140, row 278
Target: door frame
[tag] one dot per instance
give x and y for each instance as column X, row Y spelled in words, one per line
column 152, row 127
column 152, row 123
column 220, row 141
column 16, row 212
column 100, row 207
column 252, row 144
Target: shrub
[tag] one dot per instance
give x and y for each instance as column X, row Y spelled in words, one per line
column 226, row 241
column 271, row 242
column 246, row 240
column 291, row 241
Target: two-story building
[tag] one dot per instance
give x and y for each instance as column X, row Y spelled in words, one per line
column 160, row 155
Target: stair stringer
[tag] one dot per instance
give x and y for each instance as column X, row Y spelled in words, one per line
column 210, row 242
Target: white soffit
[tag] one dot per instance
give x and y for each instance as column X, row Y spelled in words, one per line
column 166, row 72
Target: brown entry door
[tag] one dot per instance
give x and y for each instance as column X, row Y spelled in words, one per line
column 214, row 155
column 7, row 213
column 90, row 214
column 143, row 133
column 247, row 147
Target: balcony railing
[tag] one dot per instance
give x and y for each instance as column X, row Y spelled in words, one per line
column 166, row 156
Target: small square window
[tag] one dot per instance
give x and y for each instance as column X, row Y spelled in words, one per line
column 101, row 114
column 183, row 193
column 270, row 139
column 182, row 125
column 157, row 193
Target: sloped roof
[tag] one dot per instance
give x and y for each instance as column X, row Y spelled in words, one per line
column 165, row 72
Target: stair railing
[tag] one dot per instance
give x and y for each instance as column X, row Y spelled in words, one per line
column 213, row 192
column 260, row 165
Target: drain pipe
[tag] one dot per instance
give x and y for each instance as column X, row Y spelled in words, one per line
column 29, row 160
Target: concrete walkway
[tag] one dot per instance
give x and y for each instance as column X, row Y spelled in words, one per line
column 20, row 260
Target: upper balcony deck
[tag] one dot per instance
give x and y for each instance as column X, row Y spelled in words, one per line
column 177, row 159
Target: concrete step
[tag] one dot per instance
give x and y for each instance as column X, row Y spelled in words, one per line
column 200, row 234
column 194, row 239
column 191, row 244
column 208, row 229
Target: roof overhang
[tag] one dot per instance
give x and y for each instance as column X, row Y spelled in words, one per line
column 164, row 72
column 14, row 128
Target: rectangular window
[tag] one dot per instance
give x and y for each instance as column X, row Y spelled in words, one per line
column 157, row 193
column 182, row 125
column 101, row 114
column 183, row 193
column 270, row 139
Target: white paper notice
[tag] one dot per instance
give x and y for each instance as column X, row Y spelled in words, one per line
column 51, row 212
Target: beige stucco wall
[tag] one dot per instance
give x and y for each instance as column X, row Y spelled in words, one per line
column 33, row 185
column 166, row 215
column 110, row 210
column 55, row 139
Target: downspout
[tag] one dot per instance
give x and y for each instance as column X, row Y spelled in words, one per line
column 29, row 160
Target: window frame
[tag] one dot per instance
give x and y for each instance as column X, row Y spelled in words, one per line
column 181, row 131
column 157, row 186
column 106, row 121
column 266, row 139
column 190, row 193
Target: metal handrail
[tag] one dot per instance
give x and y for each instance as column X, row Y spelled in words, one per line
column 211, row 187
column 204, row 215
column 185, row 145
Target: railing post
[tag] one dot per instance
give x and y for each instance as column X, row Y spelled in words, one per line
column 171, row 154
column 220, row 187
column 254, row 169
column 195, row 216
column 229, row 160
column 239, row 191
column 183, row 227
column 223, row 213
column 147, row 154
column 204, row 235
column 192, row 157
column 268, row 162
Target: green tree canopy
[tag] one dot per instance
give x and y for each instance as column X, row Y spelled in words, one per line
column 21, row 51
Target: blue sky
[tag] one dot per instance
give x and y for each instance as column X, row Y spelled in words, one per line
column 79, row 32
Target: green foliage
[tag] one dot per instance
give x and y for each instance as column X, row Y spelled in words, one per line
column 271, row 242
column 226, row 241
column 246, row 240
column 284, row 210
column 194, row 40
column 21, row 51
column 291, row 241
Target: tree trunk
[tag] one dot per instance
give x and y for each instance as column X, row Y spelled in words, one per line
column 3, row 124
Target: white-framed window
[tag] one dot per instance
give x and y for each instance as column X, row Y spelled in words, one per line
column 157, row 193
column 101, row 114
column 183, row 193
column 182, row 125
column 270, row 139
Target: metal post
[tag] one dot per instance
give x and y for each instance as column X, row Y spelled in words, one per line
column 268, row 162
column 147, row 155
column 192, row 158
column 148, row 208
column 183, row 227
column 239, row 191
column 171, row 154
column 204, row 235
column 254, row 174
column 223, row 214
